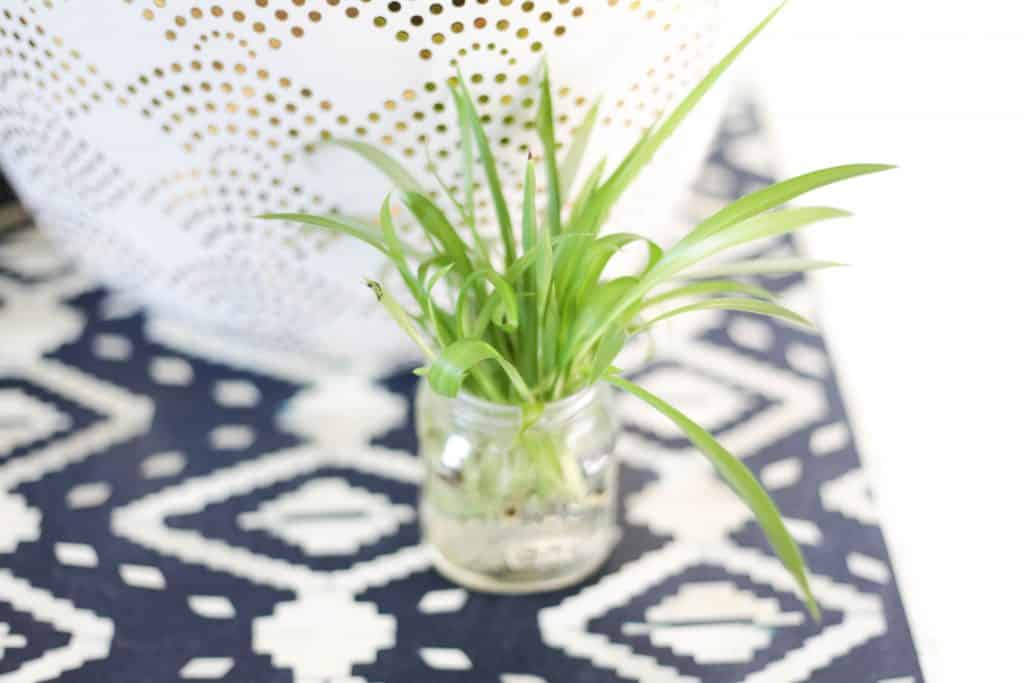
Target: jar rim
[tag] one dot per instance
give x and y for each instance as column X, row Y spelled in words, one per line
column 509, row 415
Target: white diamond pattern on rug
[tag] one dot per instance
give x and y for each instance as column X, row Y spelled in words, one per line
column 20, row 521
column 850, row 495
column 25, row 419
column 714, row 622
column 690, row 503
column 342, row 410
column 328, row 517
column 566, row 625
column 33, row 323
column 124, row 415
column 89, row 634
column 9, row 640
column 144, row 521
column 306, row 635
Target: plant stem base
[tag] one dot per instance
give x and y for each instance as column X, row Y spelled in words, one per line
column 487, row 583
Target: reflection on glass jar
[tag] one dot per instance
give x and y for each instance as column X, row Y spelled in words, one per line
column 517, row 510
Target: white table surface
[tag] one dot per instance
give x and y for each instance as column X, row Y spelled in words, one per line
column 926, row 327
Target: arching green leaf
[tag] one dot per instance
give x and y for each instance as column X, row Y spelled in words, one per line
column 778, row 194
column 546, row 129
column 644, row 151
column 448, row 371
column 743, row 482
column 436, row 223
column 594, row 314
column 762, row 266
column 577, row 149
column 706, row 288
column 483, row 147
column 683, row 255
column 504, row 312
column 734, row 304
column 332, row 225
column 383, row 162
column 403, row 319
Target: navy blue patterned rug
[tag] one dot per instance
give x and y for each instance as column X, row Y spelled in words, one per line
column 176, row 508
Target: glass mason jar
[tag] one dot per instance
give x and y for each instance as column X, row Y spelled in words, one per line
column 512, row 510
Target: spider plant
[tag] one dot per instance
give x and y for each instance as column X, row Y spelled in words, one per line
column 535, row 318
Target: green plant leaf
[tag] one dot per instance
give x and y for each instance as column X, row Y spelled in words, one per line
column 575, row 241
column 436, row 261
column 529, row 223
column 771, row 224
column 546, row 128
column 383, row 162
column 707, row 288
column 528, row 304
column 447, row 191
column 645, row 150
column 595, row 312
column 467, row 145
column 544, row 269
column 586, row 195
column 364, row 223
column 468, row 173
column 440, row 329
column 403, row 319
column 734, row 304
column 551, row 331
column 448, row 371
column 743, row 482
column 483, row 146
column 577, row 149
column 778, row 194
column 762, row 266
column 504, row 313
column 491, row 314
column 683, row 255
column 607, row 351
column 518, row 269
column 398, row 256
column 436, row 223
column 332, row 225
column 600, row 252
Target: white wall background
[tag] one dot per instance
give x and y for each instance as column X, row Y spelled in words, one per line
column 927, row 325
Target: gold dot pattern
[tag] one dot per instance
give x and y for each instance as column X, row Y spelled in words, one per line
column 44, row 65
column 241, row 121
column 275, row 25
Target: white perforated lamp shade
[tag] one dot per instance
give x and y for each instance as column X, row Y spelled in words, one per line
column 145, row 135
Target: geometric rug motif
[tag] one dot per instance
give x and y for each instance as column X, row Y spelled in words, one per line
column 177, row 505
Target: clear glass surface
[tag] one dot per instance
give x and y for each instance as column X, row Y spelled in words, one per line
column 516, row 510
